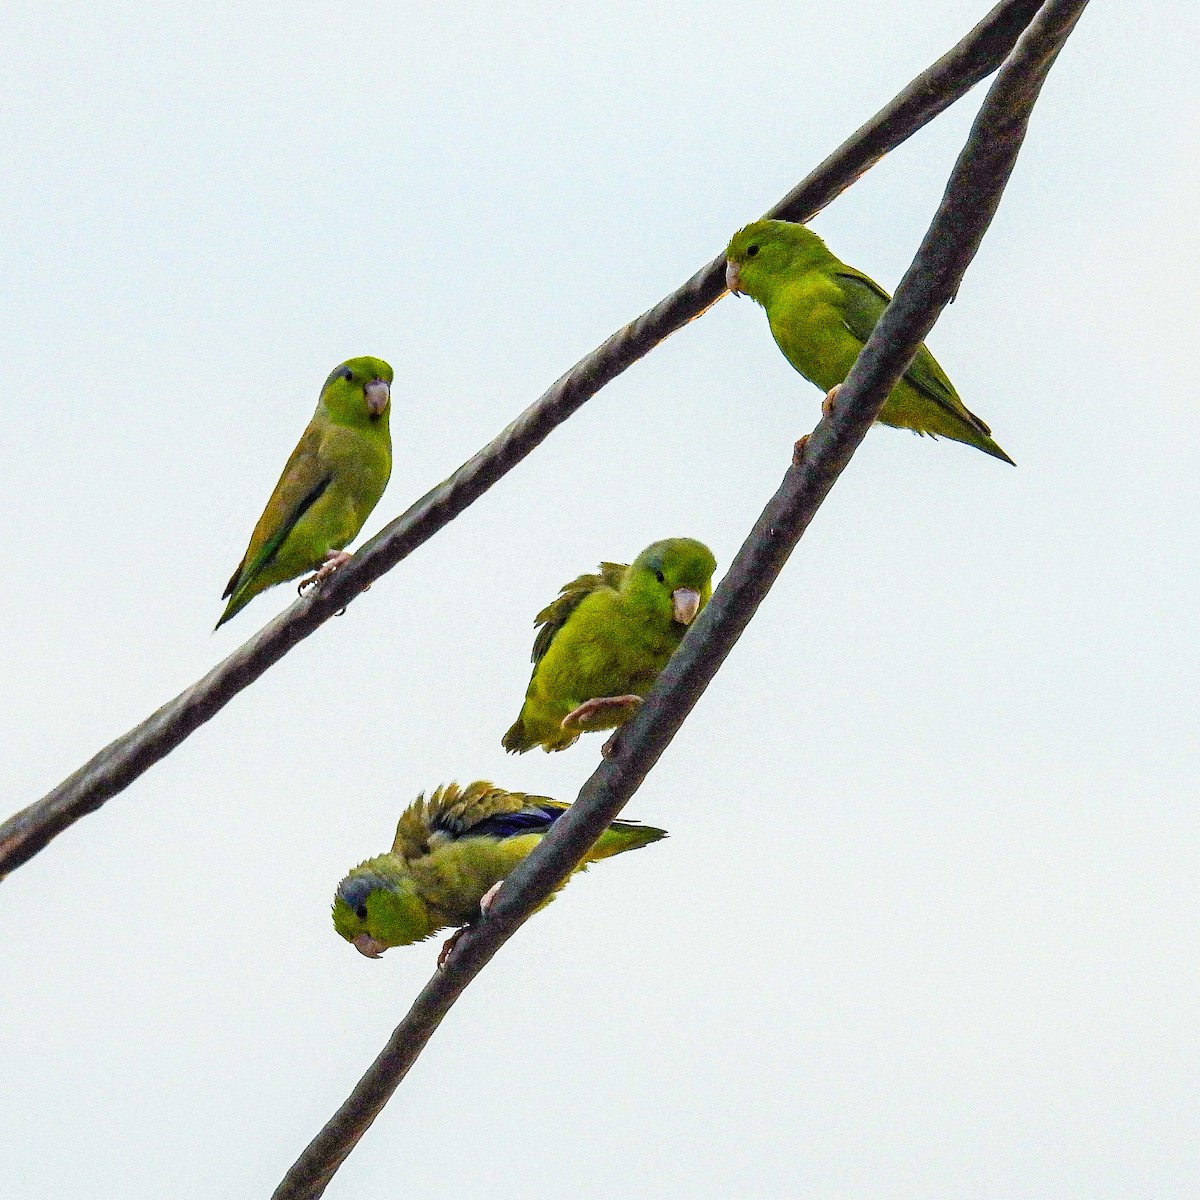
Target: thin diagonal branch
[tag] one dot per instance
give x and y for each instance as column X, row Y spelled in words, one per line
column 972, row 195
column 116, row 766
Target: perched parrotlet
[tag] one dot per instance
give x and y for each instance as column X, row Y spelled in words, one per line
column 332, row 481
column 604, row 641
column 822, row 311
column 450, row 855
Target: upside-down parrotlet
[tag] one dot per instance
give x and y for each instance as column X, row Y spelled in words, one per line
column 332, row 481
column 450, row 854
column 605, row 640
column 821, row 313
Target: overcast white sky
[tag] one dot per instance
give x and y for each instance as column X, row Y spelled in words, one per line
column 927, row 923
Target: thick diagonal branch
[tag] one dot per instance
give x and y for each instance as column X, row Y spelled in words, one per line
column 970, row 201
column 116, row 766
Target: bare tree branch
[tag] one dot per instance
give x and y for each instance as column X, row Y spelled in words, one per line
column 116, row 766
column 970, row 201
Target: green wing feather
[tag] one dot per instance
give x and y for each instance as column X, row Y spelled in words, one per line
column 298, row 489
column 271, row 547
column 554, row 616
column 865, row 302
column 457, row 810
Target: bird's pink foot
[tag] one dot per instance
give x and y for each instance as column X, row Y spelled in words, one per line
column 333, row 560
column 448, row 948
column 830, row 398
column 798, row 450
column 486, row 902
column 601, row 706
column 489, row 897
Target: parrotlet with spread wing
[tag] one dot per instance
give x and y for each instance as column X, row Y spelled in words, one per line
column 451, row 853
column 328, row 488
column 604, row 641
column 821, row 313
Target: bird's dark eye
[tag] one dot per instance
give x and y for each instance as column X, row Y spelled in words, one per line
column 660, row 577
column 347, row 374
column 751, row 251
column 361, row 912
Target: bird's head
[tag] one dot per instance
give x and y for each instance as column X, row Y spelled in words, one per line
column 359, row 392
column 674, row 576
column 377, row 906
column 765, row 252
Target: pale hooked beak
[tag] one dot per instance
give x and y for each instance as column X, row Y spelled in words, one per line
column 365, row 943
column 686, row 604
column 733, row 278
column 377, row 393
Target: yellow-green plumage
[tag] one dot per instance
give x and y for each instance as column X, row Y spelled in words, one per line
column 609, row 634
column 449, row 850
column 333, row 480
column 821, row 313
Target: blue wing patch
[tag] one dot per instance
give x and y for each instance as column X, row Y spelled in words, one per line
column 535, row 818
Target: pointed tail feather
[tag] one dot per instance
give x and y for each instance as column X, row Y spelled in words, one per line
column 624, row 835
column 237, row 602
column 516, row 741
column 989, row 447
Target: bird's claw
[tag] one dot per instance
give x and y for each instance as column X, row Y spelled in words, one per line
column 591, row 708
column 448, row 948
column 830, row 397
column 485, row 903
column 489, row 897
column 333, row 560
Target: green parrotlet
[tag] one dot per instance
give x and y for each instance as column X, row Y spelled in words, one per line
column 603, row 642
column 821, row 313
column 333, row 480
column 451, row 853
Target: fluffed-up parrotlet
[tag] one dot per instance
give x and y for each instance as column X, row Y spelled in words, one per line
column 822, row 311
column 451, row 853
column 604, row 641
column 332, row 481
